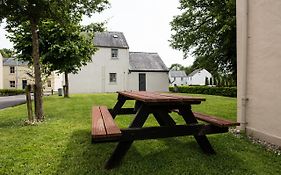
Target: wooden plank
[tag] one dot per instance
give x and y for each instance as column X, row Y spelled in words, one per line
column 214, row 120
column 98, row 128
column 160, row 132
column 123, row 111
column 154, row 97
column 185, row 98
column 110, row 126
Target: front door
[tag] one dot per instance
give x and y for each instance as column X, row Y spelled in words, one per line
column 24, row 84
column 142, row 82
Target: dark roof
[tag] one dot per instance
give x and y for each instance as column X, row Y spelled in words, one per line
column 143, row 61
column 13, row 62
column 110, row 39
column 177, row 73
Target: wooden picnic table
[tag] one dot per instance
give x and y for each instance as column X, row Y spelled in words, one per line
column 160, row 105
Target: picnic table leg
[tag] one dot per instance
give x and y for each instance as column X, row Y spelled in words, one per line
column 123, row 146
column 163, row 118
column 202, row 140
column 118, row 105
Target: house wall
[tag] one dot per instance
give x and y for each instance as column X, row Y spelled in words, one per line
column 1, row 71
column 178, row 81
column 155, row 81
column 94, row 77
column 259, row 83
column 21, row 74
column 58, row 81
column 18, row 76
column 199, row 78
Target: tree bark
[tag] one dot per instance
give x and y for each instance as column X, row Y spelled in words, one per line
column 66, row 94
column 37, row 71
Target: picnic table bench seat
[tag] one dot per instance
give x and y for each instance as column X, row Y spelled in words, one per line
column 215, row 120
column 219, row 122
column 104, row 129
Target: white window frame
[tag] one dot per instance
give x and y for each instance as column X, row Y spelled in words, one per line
column 112, row 80
column 114, row 53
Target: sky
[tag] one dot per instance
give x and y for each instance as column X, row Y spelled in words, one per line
column 145, row 24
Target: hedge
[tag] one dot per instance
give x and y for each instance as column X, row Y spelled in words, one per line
column 8, row 92
column 221, row 91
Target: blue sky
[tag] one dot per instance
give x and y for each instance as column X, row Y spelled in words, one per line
column 145, row 24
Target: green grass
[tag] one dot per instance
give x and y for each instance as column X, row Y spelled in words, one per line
column 62, row 144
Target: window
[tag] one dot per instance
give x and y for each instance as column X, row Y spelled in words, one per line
column 181, row 78
column 49, row 83
column 114, row 53
column 12, row 84
column 12, row 69
column 112, row 78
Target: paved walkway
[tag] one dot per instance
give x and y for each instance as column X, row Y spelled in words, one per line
column 9, row 101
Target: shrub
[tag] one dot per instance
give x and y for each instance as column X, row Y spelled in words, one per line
column 221, row 91
column 8, row 92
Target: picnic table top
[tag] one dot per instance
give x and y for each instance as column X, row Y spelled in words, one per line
column 156, row 97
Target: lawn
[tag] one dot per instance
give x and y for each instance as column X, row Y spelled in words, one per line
column 62, row 144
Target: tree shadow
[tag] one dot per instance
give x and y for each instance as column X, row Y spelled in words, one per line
column 179, row 155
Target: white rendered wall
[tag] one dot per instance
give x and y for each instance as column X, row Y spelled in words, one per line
column 94, row 77
column 58, row 81
column 200, row 77
column 178, row 81
column 263, row 72
column 155, row 81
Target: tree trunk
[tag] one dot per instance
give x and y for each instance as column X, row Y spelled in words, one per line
column 37, row 71
column 66, row 94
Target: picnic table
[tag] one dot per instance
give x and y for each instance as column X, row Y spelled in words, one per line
column 104, row 129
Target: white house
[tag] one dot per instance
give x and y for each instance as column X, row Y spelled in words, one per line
column 1, row 71
column 177, row 77
column 114, row 68
column 198, row 77
column 147, row 72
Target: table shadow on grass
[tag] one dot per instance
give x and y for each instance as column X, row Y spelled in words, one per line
column 179, row 155
column 13, row 123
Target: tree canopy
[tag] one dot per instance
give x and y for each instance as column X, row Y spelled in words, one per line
column 206, row 29
column 6, row 53
column 32, row 13
column 64, row 49
column 177, row 66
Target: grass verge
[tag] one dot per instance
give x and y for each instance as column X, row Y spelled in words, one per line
column 62, row 144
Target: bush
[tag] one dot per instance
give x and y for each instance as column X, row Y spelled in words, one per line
column 221, row 91
column 8, row 92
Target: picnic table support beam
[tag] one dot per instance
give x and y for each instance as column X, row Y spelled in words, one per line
column 123, row 146
column 123, row 111
column 121, row 101
column 202, row 140
column 163, row 118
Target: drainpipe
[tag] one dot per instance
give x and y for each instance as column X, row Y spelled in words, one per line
column 242, row 48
